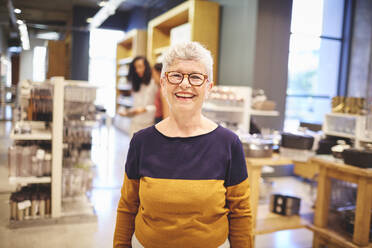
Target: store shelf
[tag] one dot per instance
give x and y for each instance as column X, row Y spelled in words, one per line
column 29, row 180
column 212, row 107
column 344, row 115
column 335, row 238
column 124, row 87
column 78, row 83
column 264, row 112
column 125, row 61
column 340, row 134
column 34, row 135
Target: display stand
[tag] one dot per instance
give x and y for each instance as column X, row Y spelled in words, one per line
column 328, row 169
column 56, row 137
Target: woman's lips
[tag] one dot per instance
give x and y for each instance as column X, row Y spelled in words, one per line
column 184, row 95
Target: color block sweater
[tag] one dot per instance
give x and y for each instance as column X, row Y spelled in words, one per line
column 185, row 192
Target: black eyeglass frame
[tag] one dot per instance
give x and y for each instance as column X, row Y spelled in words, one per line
column 205, row 78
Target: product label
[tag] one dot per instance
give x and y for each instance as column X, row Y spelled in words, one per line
column 24, row 204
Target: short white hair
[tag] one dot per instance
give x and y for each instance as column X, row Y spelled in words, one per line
column 188, row 51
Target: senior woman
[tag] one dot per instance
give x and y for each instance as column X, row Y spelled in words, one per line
column 185, row 182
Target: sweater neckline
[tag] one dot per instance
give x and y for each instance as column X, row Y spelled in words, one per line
column 186, row 138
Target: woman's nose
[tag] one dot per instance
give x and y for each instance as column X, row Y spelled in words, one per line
column 185, row 82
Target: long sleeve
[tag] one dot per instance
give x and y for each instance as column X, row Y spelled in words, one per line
column 237, row 199
column 129, row 201
column 126, row 213
column 240, row 216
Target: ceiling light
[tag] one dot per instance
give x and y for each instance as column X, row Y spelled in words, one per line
column 106, row 11
column 89, row 20
column 48, row 35
column 24, row 36
column 102, row 3
column 19, row 22
column 17, row 11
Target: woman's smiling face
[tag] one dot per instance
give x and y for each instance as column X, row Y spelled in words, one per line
column 184, row 96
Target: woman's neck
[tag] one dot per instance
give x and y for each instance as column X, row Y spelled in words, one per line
column 184, row 125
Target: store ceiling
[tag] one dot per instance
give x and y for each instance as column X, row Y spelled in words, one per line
column 55, row 11
column 56, row 15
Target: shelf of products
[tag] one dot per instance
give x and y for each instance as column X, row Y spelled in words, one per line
column 29, row 180
column 264, row 112
column 134, row 44
column 35, row 135
column 62, row 163
column 231, row 107
column 189, row 21
column 347, row 126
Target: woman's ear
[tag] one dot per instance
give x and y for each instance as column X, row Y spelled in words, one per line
column 208, row 89
column 163, row 86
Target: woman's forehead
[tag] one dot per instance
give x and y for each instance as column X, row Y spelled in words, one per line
column 182, row 64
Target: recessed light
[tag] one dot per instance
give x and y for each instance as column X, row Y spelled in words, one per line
column 102, row 3
column 89, row 20
column 17, row 11
column 19, row 22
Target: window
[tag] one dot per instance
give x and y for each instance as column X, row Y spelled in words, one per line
column 314, row 59
column 39, row 64
column 102, row 66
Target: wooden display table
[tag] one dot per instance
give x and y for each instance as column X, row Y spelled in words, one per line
column 328, row 169
column 306, row 170
column 270, row 222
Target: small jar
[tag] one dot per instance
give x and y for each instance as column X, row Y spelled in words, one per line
column 48, row 209
column 12, row 161
column 27, row 210
column 34, row 204
column 19, row 160
column 20, row 212
column 42, row 197
column 13, row 206
column 40, row 154
column 26, row 162
column 34, row 166
column 47, row 164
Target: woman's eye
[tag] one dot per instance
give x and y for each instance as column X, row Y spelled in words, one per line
column 196, row 77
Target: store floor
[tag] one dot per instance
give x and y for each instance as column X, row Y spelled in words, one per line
column 109, row 152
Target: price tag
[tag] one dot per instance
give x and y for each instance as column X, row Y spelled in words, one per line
column 24, row 204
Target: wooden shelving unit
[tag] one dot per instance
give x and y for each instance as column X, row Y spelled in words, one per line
column 363, row 178
column 203, row 17
column 134, row 44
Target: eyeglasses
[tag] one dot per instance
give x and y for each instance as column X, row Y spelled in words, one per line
column 195, row 79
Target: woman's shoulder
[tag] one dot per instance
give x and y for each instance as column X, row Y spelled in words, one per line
column 226, row 134
column 144, row 135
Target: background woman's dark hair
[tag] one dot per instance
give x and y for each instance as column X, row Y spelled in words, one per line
column 135, row 80
column 158, row 67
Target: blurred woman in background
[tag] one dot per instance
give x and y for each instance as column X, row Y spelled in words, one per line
column 143, row 93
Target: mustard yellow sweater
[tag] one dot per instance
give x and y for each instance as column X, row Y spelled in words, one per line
column 185, row 192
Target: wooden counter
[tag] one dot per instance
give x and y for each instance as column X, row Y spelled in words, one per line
column 329, row 168
column 265, row 221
